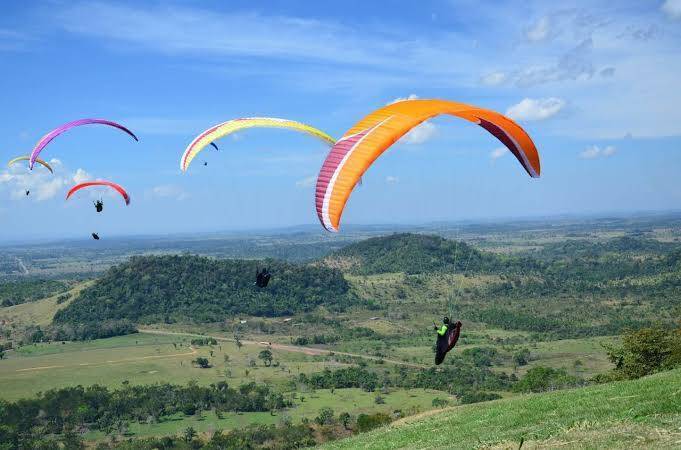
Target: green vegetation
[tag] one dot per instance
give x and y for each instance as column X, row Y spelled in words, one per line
column 97, row 408
column 645, row 352
column 175, row 288
column 29, row 290
column 645, row 413
column 543, row 310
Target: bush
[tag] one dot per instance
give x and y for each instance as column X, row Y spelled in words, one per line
column 367, row 422
column 478, row 396
column 645, row 352
column 542, row 379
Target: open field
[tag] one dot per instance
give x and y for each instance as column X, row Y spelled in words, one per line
column 140, row 359
column 644, row 413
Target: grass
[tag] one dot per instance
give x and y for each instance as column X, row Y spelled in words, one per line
column 644, row 413
column 139, row 359
column 40, row 312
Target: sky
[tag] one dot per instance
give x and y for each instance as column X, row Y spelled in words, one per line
column 594, row 83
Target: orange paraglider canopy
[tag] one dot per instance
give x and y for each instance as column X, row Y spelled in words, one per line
column 354, row 153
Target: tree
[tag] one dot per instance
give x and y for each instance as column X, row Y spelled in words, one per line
column 645, row 352
column 202, row 362
column 266, row 357
column 325, row 417
column 345, row 419
column 521, row 357
column 189, row 434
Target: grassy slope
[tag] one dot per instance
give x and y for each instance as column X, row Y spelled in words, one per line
column 39, row 312
column 644, row 413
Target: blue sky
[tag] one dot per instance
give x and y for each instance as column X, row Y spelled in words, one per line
column 594, row 83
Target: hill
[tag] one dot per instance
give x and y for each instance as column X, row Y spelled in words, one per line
column 417, row 253
column 644, row 413
column 181, row 288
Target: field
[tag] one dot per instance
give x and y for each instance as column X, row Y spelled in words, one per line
column 645, row 413
column 388, row 329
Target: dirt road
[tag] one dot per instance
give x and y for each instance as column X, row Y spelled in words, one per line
column 292, row 348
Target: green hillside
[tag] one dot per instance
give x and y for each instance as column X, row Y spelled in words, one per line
column 177, row 288
column 411, row 253
column 645, row 413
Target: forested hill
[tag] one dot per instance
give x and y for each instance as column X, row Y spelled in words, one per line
column 417, row 253
column 180, row 288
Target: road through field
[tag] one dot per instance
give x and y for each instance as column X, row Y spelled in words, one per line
column 292, row 348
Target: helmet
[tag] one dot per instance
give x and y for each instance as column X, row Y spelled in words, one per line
column 446, row 320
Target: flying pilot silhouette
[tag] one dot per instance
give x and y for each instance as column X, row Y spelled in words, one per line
column 99, row 206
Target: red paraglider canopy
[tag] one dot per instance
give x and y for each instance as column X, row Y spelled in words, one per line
column 115, row 186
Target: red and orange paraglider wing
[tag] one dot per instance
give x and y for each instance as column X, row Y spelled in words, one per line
column 354, row 153
column 87, row 184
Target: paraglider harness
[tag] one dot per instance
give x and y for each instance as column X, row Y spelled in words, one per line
column 95, row 236
column 99, row 205
column 447, row 336
column 262, row 278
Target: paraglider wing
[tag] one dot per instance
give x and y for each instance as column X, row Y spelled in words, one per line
column 447, row 342
column 42, row 143
column 114, row 186
column 26, row 158
column 354, row 153
column 212, row 134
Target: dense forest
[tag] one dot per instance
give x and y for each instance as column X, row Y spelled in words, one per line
column 418, row 253
column 154, row 289
column 28, row 290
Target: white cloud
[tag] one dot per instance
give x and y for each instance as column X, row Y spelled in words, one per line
column 539, row 31
column 81, row 176
column 401, row 99
column 307, row 182
column 493, row 78
column 595, row 151
column 672, row 8
column 392, row 179
column 574, row 64
column 168, row 191
column 42, row 185
column 530, row 109
column 498, row 153
column 420, row 134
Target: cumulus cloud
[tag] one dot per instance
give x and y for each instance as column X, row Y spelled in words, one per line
column 392, row 179
column 530, row 109
column 595, row 151
column 307, row 182
column 493, row 78
column 420, row 133
column 498, row 153
column 170, row 191
column 672, row 8
column 81, row 176
column 539, row 31
column 575, row 64
column 16, row 180
column 401, row 99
